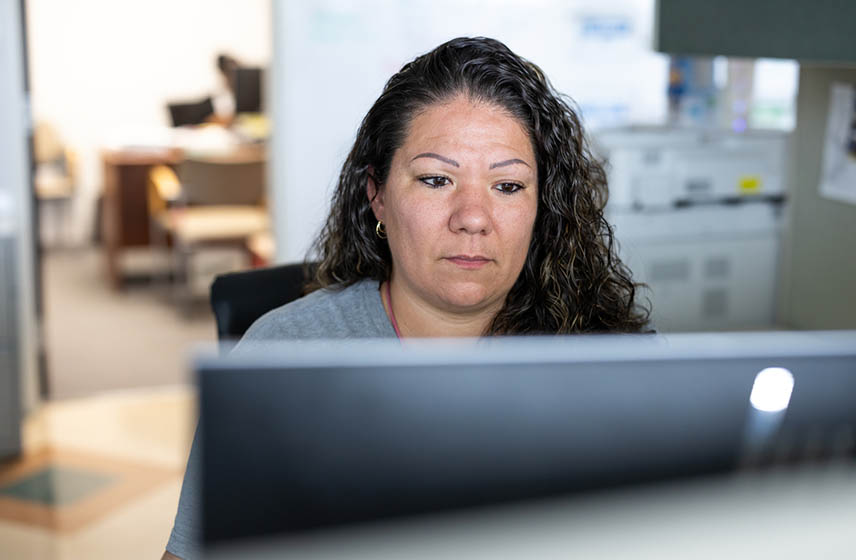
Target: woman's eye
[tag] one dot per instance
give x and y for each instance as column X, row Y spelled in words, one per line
column 508, row 188
column 435, row 181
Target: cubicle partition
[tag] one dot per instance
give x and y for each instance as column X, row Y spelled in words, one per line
column 18, row 319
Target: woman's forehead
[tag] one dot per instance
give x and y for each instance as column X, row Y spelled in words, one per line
column 463, row 124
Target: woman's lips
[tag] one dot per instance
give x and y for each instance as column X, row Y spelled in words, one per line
column 468, row 261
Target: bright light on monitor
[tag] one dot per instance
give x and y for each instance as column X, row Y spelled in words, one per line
column 772, row 389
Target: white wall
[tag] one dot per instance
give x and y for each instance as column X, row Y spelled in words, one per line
column 102, row 71
column 332, row 58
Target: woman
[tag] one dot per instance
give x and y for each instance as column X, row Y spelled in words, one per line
column 468, row 206
column 475, row 236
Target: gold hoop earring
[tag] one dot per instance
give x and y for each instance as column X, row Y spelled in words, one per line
column 380, row 230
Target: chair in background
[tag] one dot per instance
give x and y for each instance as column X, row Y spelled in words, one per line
column 54, row 183
column 211, row 203
column 239, row 298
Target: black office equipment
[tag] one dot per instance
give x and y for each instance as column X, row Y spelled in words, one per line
column 248, row 90
column 315, row 435
column 191, row 113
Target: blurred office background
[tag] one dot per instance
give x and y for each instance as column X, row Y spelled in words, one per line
column 151, row 146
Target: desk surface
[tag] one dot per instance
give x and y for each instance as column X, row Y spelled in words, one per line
column 141, row 156
column 788, row 514
column 172, row 156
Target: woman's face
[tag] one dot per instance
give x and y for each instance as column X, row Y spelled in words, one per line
column 459, row 206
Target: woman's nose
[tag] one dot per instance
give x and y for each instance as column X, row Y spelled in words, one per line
column 470, row 211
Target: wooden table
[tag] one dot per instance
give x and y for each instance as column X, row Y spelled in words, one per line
column 125, row 211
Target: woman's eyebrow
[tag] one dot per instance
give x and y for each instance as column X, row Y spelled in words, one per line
column 509, row 162
column 456, row 164
column 437, row 156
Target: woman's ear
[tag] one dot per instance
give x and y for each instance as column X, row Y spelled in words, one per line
column 375, row 194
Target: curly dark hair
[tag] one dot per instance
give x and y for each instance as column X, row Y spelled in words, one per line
column 572, row 280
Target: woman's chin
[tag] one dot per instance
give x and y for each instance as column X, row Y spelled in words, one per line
column 469, row 298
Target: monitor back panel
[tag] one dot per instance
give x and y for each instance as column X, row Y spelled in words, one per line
column 292, row 448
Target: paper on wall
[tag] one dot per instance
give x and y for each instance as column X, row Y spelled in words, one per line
column 838, row 177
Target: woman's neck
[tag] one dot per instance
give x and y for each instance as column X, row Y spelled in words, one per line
column 415, row 318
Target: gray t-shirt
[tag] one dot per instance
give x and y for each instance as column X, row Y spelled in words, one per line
column 353, row 312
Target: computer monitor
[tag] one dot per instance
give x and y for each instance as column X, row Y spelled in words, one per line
column 191, row 113
column 248, row 90
column 304, row 437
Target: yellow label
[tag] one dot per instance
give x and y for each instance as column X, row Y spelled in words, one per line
column 749, row 184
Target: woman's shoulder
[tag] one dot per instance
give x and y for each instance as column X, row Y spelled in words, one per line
column 355, row 311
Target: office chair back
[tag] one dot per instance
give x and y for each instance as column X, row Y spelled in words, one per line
column 222, row 182
column 239, row 298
